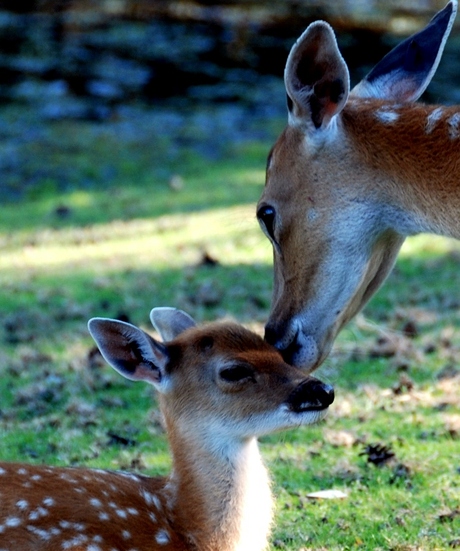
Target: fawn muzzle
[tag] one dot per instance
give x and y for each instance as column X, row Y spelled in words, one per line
column 311, row 395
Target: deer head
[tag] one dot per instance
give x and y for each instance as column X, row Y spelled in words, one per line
column 340, row 194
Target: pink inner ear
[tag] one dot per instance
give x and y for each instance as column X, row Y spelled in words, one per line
column 329, row 111
column 147, row 372
column 403, row 90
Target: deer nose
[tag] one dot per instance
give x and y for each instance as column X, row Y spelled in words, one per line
column 311, row 395
column 285, row 341
column 273, row 335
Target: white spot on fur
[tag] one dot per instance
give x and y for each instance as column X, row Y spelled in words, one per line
column 162, row 537
column 12, row 522
column 2, row 471
column 22, row 504
column 433, row 118
column 126, row 535
column 95, row 502
column 37, row 513
column 65, row 524
column 42, row 534
column 68, row 478
column 130, row 476
column 21, row 470
column 48, row 501
column 103, row 516
column 386, row 115
column 153, row 518
column 121, row 513
column 132, row 511
column 78, row 540
column 36, row 477
column 453, row 123
column 150, row 499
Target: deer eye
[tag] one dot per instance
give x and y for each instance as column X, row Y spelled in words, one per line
column 266, row 216
column 237, row 373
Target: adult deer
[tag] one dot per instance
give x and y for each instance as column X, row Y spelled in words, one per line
column 220, row 387
column 350, row 177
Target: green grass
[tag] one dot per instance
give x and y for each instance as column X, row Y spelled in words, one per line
column 124, row 246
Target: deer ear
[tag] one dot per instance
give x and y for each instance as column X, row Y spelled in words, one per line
column 130, row 351
column 316, row 78
column 170, row 322
column 405, row 72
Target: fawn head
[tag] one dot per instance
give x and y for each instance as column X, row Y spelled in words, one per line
column 334, row 228
column 218, row 381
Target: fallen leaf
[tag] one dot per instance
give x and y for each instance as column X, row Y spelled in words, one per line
column 340, row 438
column 449, row 516
column 452, row 424
column 327, row 494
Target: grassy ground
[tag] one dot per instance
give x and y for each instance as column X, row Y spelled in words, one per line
column 180, row 231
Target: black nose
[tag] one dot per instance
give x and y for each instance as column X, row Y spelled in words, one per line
column 311, row 395
column 272, row 335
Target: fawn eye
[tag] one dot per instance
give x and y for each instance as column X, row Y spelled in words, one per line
column 266, row 216
column 237, row 373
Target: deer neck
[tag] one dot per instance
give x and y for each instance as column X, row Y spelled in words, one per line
column 412, row 154
column 226, row 491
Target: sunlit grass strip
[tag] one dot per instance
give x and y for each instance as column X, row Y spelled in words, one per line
column 170, row 241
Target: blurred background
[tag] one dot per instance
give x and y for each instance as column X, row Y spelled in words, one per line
column 154, row 62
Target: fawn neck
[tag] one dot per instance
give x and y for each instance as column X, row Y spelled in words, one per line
column 226, row 488
column 415, row 148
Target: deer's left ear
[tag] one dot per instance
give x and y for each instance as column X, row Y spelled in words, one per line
column 405, row 72
column 316, row 78
column 131, row 351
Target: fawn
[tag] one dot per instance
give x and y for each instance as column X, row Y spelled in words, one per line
column 220, row 387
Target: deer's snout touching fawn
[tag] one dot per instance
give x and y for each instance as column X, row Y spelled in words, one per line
column 220, row 387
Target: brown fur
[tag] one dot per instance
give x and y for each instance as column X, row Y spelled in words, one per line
column 422, row 169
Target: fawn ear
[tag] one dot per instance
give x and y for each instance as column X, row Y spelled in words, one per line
column 130, row 351
column 170, row 322
column 405, row 72
column 316, row 78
